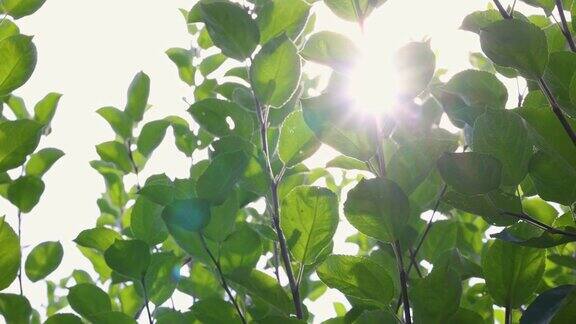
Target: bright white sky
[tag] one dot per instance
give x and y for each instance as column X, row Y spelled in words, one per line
column 89, row 52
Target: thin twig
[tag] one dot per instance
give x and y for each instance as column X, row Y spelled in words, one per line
column 565, row 28
column 508, row 314
column 222, row 279
column 527, row 218
column 424, row 235
column 146, row 301
column 274, row 200
column 403, row 281
column 503, row 11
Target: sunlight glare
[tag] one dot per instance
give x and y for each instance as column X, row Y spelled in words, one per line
column 373, row 78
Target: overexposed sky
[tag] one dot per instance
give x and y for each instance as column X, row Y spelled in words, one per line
column 89, row 50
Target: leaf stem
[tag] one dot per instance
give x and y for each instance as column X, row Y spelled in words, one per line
column 508, row 314
column 275, row 208
column 136, row 171
column 19, row 215
column 553, row 103
column 222, row 278
column 565, row 29
column 146, row 301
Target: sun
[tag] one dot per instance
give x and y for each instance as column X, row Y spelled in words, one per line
column 373, row 80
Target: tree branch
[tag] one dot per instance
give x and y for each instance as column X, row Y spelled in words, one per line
column 553, row 103
column 403, row 281
column 527, row 218
column 565, row 28
column 222, row 278
column 275, row 208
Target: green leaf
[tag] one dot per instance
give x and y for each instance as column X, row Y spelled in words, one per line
column 309, row 217
column 544, row 240
column 138, row 96
column 558, row 76
column 329, row 117
column 517, row 44
column 15, row 309
column 43, row 260
column 20, row 8
column 241, row 250
column 162, row 277
column 202, row 283
column 230, row 28
column 212, row 115
column 113, row 318
column 222, row 219
column 377, row 316
column 18, row 57
column 130, row 258
column 99, row 238
column 275, row 72
column 211, row 63
column 547, row 5
column 151, row 136
column 331, row 49
column 8, row 28
column 183, row 60
column 297, row 141
column 357, row 277
column 41, row 161
column 45, row 109
column 414, row 64
column 378, row 208
column 490, row 206
column 215, row 311
column 554, row 179
column 118, row 120
column 17, row 139
column 25, row 192
column 478, row 88
column 548, row 132
column 158, row 189
column 146, row 222
column 221, row 176
column 353, row 10
column 478, row 20
column 117, row 153
column 282, row 17
column 502, row 134
column 10, row 254
column 63, row 318
column 512, row 272
column 470, row 173
column 264, row 289
column 191, row 215
column 347, row 163
column 548, row 305
column 88, row 300
column 17, row 105
column 436, row 297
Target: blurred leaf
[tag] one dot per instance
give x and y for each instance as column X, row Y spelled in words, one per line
column 41, row 161
column 138, row 96
column 43, row 260
column 130, row 258
column 25, row 192
column 282, row 17
column 470, row 173
column 88, row 300
column 331, row 49
column 18, row 139
column 10, row 254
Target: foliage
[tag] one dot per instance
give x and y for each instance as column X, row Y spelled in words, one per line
column 249, row 233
